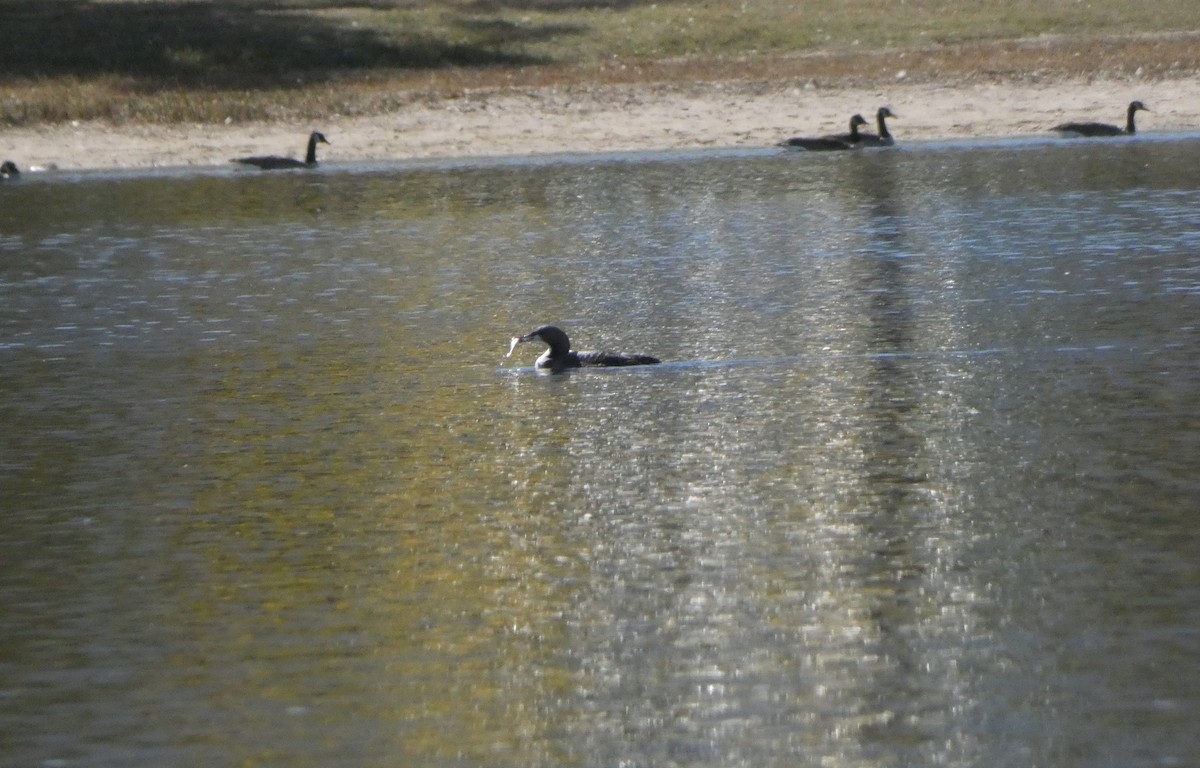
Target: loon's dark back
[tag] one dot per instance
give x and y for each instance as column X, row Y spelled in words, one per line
column 600, row 359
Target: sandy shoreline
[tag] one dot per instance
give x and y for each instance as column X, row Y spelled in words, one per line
column 620, row 118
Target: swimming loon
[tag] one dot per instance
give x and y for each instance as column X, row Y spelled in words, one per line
column 883, row 139
column 9, row 169
column 560, row 356
column 275, row 162
column 1094, row 130
column 828, row 143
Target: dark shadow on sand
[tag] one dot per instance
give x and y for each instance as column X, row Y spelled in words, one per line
column 241, row 43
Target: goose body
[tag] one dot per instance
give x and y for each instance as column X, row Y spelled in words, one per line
column 560, row 356
column 1101, row 130
column 8, row 169
column 829, row 143
column 275, row 162
column 883, row 138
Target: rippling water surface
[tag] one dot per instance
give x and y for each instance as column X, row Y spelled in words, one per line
column 917, row 484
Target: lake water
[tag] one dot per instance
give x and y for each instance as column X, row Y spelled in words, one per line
column 917, row 484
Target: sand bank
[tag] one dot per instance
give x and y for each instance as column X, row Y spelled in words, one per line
column 619, row 118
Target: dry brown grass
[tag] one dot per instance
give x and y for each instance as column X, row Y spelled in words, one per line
column 163, row 61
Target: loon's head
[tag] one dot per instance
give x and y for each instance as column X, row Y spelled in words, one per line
column 858, row 120
column 553, row 336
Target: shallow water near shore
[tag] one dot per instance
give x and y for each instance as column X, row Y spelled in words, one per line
column 915, row 485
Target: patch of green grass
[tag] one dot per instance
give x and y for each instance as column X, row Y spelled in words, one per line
column 211, row 60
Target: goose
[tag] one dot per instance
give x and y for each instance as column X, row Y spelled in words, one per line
column 1097, row 130
column 561, row 357
column 275, row 162
column 883, row 139
column 8, row 169
column 829, row 143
